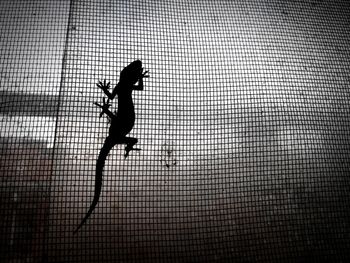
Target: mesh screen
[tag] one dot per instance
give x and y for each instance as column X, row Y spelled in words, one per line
column 243, row 127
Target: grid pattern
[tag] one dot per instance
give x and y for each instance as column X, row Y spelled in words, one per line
column 243, row 125
column 32, row 37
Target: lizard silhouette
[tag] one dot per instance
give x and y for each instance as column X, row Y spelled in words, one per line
column 121, row 122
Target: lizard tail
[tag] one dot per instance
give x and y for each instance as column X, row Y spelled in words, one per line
column 107, row 146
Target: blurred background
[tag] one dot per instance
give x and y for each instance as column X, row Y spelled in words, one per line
column 243, row 124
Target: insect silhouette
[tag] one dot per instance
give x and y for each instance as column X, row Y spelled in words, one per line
column 121, row 122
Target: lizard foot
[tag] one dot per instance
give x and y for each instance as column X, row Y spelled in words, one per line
column 104, row 107
column 128, row 149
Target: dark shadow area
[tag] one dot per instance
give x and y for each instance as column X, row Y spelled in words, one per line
column 28, row 104
column 25, row 177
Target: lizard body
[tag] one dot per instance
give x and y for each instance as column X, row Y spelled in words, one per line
column 122, row 122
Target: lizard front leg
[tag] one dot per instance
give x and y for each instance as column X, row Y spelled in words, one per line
column 105, row 86
column 105, row 109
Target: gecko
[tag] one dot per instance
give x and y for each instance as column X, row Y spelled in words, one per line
column 121, row 122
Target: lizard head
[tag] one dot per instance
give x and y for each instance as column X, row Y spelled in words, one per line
column 132, row 72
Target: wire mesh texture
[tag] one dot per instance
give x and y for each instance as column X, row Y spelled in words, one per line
column 243, row 127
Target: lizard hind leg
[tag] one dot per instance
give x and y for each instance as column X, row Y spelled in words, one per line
column 130, row 142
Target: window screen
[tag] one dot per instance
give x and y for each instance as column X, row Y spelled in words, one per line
column 243, row 127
